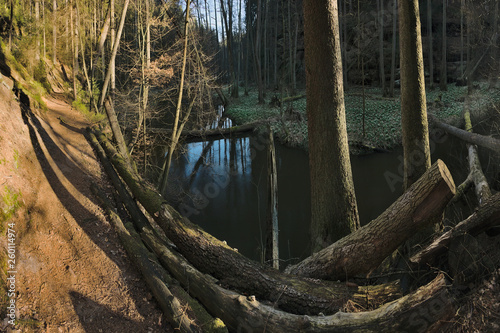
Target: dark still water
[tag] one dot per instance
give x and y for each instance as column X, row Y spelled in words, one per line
column 222, row 186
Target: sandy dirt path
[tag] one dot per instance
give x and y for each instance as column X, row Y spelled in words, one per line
column 72, row 273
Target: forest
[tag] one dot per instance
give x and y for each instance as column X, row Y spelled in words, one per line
column 250, row 165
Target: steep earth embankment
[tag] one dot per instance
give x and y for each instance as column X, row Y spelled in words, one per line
column 71, row 274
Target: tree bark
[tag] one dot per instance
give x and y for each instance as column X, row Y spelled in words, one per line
column 431, row 47
column 394, row 47
column 334, row 212
column 228, row 24
column 480, row 183
column 291, row 293
column 381, row 46
column 115, row 129
column 443, row 79
column 474, row 138
column 422, row 310
column 487, row 215
column 364, row 250
column 417, row 157
column 272, row 248
column 113, row 54
column 175, row 128
column 150, row 269
column 141, row 224
column 54, row 32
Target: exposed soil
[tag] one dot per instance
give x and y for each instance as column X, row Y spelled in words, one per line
column 72, row 273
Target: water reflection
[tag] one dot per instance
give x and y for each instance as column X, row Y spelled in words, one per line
column 221, row 185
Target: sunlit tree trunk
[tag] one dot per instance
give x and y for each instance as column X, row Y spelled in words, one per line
column 175, row 137
column 112, row 45
column 37, row 25
column 11, row 23
column 116, row 44
column 54, row 31
column 443, row 77
column 334, row 211
column 73, row 49
column 417, row 157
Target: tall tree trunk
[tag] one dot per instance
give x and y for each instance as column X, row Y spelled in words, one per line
column 175, row 137
column 417, row 157
column 272, row 248
column 257, row 52
column 247, row 51
column 443, row 79
column 54, row 32
column 37, row 25
column 334, row 212
column 381, row 46
column 462, row 9
column 394, row 47
column 116, row 44
column 275, row 46
column 74, row 55
column 11, row 23
column 228, row 23
column 495, row 56
column 431, row 48
column 112, row 44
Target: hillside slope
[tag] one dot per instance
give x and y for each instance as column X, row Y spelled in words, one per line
column 70, row 272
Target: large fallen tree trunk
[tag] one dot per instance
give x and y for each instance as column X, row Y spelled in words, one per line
column 171, row 306
column 291, row 293
column 474, row 138
column 487, row 215
column 363, row 250
column 141, row 223
column 422, row 311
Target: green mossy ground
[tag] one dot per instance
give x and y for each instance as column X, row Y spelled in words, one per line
column 382, row 115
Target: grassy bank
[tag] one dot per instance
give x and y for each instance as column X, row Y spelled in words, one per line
column 382, row 115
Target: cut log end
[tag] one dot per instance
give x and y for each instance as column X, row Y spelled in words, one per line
column 446, row 176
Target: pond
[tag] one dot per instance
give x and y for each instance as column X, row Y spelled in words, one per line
column 222, row 186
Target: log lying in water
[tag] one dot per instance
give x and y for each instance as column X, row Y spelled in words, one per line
column 364, row 250
column 487, row 215
column 210, row 255
column 212, row 133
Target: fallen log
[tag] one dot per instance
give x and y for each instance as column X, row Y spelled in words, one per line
column 153, row 274
column 487, row 215
column 141, row 223
column 476, row 172
column 212, row 133
column 423, row 310
column 474, row 138
column 210, row 255
column 360, row 252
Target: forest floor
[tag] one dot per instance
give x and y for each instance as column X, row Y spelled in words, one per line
column 71, row 273
column 382, row 115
